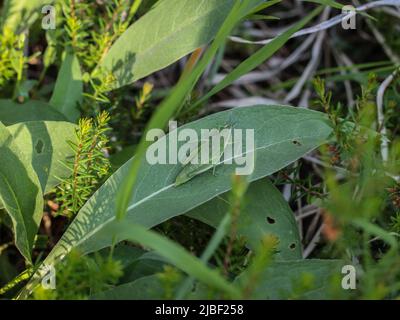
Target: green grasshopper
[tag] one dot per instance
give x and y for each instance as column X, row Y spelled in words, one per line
column 190, row 170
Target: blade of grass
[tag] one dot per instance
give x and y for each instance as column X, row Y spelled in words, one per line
column 339, row 6
column 329, row 3
column 229, row 222
column 373, row 229
column 207, row 254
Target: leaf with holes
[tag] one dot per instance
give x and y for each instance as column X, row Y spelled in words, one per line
column 265, row 212
column 45, row 145
column 296, row 279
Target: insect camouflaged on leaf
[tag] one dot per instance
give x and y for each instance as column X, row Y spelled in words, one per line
column 191, row 170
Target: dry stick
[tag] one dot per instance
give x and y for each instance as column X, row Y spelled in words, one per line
column 340, row 172
column 287, row 189
column 242, row 102
column 3, row 247
column 348, row 63
column 306, row 211
column 313, row 64
column 313, row 243
column 392, row 12
column 380, row 238
column 381, row 116
column 312, row 226
column 381, row 40
column 329, row 23
column 258, row 76
column 305, row 98
column 347, row 84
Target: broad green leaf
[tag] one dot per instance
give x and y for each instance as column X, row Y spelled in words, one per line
column 136, row 262
column 19, row 14
column 308, row 279
column 67, row 94
column 33, row 110
column 265, row 212
column 282, row 135
column 145, row 288
column 125, row 254
column 20, row 193
column 169, row 31
column 44, row 144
